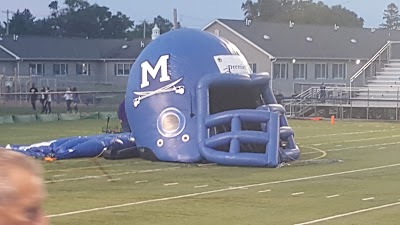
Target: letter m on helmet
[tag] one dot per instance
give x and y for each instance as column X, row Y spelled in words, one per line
column 161, row 66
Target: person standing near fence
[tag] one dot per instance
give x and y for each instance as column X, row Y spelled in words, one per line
column 21, row 190
column 322, row 92
column 76, row 99
column 43, row 99
column 68, row 98
column 9, row 85
column 48, row 101
column 33, row 98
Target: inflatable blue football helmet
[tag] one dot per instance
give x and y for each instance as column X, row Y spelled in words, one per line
column 191, row 97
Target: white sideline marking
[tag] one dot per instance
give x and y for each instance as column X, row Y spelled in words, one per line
column 59, row 175
column 368, row 199
column 82, row 168
column 264, row 191
column 350, row 133
column 223, row 190
column 357, row 140
column 201, row 186
column 115, row 179
column 381, row 148
column 349, row 213
column 354, row 147
column 141, row 181
column 171, row 184
column 105, row 175
column 319, row 150
column 297, row 193
column 332, row 196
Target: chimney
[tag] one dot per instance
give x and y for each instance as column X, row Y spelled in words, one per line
column 291, row 24
column 175, row 12
column 248, row 21
column 336, row 27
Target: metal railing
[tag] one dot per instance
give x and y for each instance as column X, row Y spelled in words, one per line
column 366, row 65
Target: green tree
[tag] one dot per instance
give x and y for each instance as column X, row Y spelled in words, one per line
column 2, row 29
column 301, row 12
column 391, row 17
column 22, row 23
column 74, row 5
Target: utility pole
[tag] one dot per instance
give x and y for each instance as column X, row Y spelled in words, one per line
column 7, row 12
column 144, row 28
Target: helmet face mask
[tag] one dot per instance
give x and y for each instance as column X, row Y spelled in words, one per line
column 184, row 80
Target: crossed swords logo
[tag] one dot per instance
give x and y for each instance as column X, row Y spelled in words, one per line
column 171, row 87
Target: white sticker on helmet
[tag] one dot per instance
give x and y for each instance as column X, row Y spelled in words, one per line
column 232, row 64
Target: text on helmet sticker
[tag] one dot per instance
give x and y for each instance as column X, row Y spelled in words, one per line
column 232, row 64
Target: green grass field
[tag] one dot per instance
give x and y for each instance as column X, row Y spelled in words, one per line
column 363, row 188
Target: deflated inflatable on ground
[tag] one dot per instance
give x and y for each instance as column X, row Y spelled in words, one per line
column 76, row 147
column 192, row 97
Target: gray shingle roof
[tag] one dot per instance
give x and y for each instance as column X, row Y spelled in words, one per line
column 36, row 47
column 5, row 56
column 286, row 42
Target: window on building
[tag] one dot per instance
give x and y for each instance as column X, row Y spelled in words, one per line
column 339, row 71
column 60, row 69
column 253, row 67
column 36, row 69
column 83, row 69
column 122, row 69
column 321, row 71
column 280, row 71
column 299, row 71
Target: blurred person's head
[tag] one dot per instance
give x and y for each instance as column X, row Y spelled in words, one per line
column 21, row 190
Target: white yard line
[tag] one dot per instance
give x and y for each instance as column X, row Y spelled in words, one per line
column 349, row 213
column 170, row 184
column 297, row 193
column 201, row 186
column 223, row 190
column 354, row 147
column 264, row 191
column 81, row 168
column 141, row 181
column 107, row 175
column 368, row 199
column 332, row 196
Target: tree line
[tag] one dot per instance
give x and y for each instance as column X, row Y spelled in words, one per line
column 310, row 12
column 79, row 18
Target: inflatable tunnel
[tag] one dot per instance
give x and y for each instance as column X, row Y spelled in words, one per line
column 192, row 97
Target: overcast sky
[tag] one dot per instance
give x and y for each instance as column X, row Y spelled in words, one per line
column 195, row 14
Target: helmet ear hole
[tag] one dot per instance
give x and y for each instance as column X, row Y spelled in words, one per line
column 171, row 122
column 185, row 138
